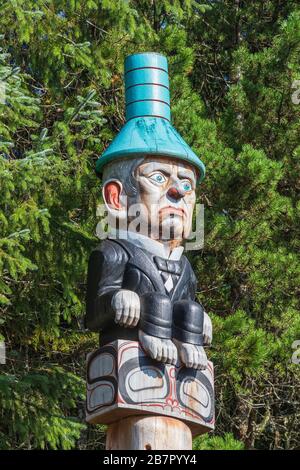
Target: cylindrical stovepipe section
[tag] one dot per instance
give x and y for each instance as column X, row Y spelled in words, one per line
column 148, row 433
column 147, row 86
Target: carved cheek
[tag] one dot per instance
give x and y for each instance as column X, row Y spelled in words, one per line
column 150, row 194
column 190, row 200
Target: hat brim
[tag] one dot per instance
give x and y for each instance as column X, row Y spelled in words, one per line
column 149, row 136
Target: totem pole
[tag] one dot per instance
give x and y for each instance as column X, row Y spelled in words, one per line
column 150, row 379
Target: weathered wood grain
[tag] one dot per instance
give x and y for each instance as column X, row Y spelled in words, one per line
column 149, row 433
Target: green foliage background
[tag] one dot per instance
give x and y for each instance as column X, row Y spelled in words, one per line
column 233, row 65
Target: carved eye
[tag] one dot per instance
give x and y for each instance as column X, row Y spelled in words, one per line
column 186, row 185
column 158, row 178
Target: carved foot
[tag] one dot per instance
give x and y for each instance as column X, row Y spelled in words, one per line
column 192, row 355
column 162, row 350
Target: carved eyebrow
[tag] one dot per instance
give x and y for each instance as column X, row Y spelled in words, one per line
column 164, row 172
column 151, row 167
column 182, row 174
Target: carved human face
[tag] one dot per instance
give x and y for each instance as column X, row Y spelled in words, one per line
column 166, row 196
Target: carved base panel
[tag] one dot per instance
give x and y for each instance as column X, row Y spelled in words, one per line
column 122, row 381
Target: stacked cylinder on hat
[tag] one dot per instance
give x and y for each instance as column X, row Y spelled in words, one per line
column 147, row 86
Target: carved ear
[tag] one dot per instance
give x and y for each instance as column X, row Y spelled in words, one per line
column 112, row 194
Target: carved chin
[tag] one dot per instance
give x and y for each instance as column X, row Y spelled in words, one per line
column 172, row 227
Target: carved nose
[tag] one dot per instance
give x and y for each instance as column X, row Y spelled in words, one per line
column 174, row 193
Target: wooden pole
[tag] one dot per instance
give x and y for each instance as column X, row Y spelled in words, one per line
column 148, row 433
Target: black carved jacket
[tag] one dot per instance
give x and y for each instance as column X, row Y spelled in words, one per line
column 119, row 264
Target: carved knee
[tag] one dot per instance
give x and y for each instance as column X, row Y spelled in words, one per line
column 188, row 319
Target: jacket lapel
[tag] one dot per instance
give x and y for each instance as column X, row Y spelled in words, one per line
column 181, row 283
column 144, row 262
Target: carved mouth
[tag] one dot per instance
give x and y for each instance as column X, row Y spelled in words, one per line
column 169, row 210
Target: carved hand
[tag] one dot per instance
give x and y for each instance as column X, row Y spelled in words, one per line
column 126, row 305
column 207, row 330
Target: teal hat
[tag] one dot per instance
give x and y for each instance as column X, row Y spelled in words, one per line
column 148, row 130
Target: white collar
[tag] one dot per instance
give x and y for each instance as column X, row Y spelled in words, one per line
column 153, row 246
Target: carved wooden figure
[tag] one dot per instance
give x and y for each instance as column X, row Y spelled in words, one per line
column 151, row 375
